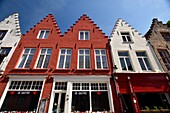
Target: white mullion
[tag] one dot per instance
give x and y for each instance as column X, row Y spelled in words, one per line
column 145, row 63
column 84, row 55
column 101, row 60
column 44, row 58
column 26, row 56
column 43, row 34
column 126, row 63
column 83, row 35
column 64, row 58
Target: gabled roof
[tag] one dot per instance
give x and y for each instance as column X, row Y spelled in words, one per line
column 12, row 20
column 121, row 22
column 85, row 17
column 45, row 20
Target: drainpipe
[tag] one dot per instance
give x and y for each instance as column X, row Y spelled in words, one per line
column 118, row 93
column 134, row 98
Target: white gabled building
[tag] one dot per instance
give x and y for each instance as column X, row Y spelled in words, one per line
column 132, row 52
column 139, row 78
column 9, row 37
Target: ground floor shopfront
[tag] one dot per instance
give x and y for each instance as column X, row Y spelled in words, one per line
column 58, row 94
column 143, row 92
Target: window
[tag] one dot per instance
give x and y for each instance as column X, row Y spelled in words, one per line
column 126, row 37
column 65, row 58
column 165, row 57
column 166, row 36
column 43, row 34
column 26, row 58
column 84, row 35
column 92, row 96
column 2, row 34
column 44, row 58
column 24, row 95
column 4, row 52
column 125, row 61
column 143, row 60
column 84, row 58
column 101, row 59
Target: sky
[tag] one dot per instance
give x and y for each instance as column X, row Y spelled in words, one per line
column 138, row 13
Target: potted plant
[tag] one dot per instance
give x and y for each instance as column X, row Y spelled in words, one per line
column 164, row 110
column 155, row 110
column 146, row 109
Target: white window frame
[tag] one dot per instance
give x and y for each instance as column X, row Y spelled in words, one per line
column 101, row 60
column 79, row 79
column 84, row 38
column 43, row 37
column 84, row 66
column 45, row 55
column 127, row 41
column 65, row 55
column 142, row 57
column 19, row 78
column 124, row 57
column 28, row 54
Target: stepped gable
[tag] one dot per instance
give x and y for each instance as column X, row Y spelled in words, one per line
column 85, row 17
column 121, row 22
column 13, row 20
column 155, row 23
column 45, row 20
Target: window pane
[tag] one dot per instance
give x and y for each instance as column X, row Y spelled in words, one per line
column 28, row 61
column 122, row 62
column 123, row 53
column 87, row 62
column 32, row 51
column 26, row 50
column 100, row 101
column 41, row 34
column 81, row 51
column 67, row 64
column 40, row 61
column 49, row 51
column 124, row 38
column 128, row 64
column 128, row 38
column 46, row 34
column 140, row 53
column 47, row 59
column 22, row 61
column 61, row 61
column 69, row 51
column 80, row 101
column 97, row 51
column 81, row 35
column 147, row 64
column 142, row 64
column 43, row 50
column 63, row 51
column 104, row 61
column 103, row 52
column 87, row 52
column 86, row 35
column 98, row 61
column 81, row 61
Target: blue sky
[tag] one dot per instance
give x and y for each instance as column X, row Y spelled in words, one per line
column 138, row 13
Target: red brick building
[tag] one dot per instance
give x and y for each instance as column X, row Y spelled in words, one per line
column 50, row 72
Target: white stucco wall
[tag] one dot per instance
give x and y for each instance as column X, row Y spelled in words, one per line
column 139, row 43
column 11, row 38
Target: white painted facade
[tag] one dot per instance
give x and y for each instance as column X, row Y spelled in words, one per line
column 11, row 38
column 137, row 44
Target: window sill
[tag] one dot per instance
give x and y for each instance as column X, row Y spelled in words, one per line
column 61, row 70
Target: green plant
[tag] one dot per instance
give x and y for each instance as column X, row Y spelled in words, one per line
column 168, row 23
column 155, row 107
column 147, row 108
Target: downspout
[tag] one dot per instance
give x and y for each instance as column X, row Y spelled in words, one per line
column 134, row 98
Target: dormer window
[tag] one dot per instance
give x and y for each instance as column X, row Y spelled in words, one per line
column 43, row 34
column 126, row 37
column 84, row 35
